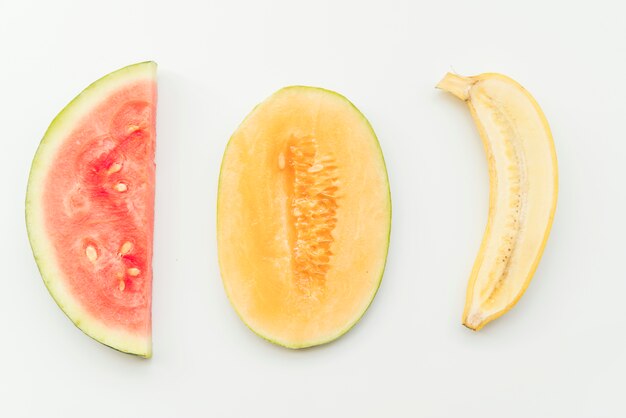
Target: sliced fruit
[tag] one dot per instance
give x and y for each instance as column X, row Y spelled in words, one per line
column 90, row 204
column 303, row 217
column 523, row 182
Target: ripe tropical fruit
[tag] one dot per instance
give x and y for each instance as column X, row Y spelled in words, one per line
column 523, row 178
column 303, row 217
column 90, row 208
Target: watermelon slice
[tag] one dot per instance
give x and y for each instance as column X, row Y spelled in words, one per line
column 90, row 208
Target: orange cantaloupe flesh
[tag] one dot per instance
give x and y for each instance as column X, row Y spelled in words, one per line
column 304, row 216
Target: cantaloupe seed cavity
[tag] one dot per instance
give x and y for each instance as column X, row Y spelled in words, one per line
column 312, row 184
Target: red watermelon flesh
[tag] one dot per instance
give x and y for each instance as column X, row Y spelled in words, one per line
column 90, row 208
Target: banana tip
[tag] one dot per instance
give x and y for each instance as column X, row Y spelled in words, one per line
column 473, row 322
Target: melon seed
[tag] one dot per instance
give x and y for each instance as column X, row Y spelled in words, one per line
column 122, row 285
column 315, row 168
column 120, row 187
column 126, row 247
column 91, row 253
column 281, row 160
column 133, row 271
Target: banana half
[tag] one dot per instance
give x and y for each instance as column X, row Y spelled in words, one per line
column 523, row 178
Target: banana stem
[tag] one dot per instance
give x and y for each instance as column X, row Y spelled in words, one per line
column 457, row 85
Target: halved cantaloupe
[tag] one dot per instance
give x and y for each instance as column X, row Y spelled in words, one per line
column 303, row 217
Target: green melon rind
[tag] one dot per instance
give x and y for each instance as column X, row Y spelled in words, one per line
column 351, row 324
column 43, row 249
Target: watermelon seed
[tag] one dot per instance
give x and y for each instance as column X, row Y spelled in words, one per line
column 122, row 285
column 126, row 247
column 91, row 253
column 115, row 167
column 133, row 271
column 120, row 187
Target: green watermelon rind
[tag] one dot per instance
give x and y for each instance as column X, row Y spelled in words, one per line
column 43, row 250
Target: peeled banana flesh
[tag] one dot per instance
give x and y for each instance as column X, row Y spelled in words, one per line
column 523, row 178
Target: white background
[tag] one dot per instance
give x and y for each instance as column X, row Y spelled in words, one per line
column 561, row 352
